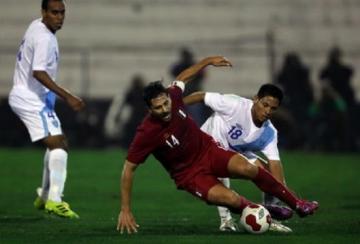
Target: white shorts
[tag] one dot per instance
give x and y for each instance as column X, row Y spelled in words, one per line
column 39, row 120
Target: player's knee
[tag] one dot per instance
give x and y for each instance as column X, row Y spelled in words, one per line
column 240, row 167
column 250, row 170
column 55, row 142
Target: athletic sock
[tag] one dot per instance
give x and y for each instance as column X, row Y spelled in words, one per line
column 224, row 213
column 57, row 168
column 243, row 203
column 45, row 177
column 268, row 184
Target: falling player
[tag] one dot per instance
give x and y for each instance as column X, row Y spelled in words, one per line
column 191, row 157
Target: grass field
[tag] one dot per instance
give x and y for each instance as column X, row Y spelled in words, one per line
column 165, row 214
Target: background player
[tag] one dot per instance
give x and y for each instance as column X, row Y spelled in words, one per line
column 32, row 98
column 243, row 125
column 191, row 156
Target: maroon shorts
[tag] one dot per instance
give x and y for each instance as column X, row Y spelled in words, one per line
column 205, row 173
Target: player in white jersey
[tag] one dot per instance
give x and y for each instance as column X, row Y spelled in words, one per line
column 33, row 96
column 243, row 125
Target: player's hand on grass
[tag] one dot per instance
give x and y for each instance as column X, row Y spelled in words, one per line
column 75, row 102
column 127, row 221
column 219, row 61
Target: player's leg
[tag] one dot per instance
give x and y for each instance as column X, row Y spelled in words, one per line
column 239, row 167
column 43, row 124
column 208, row 188
column 226, row 222
column 276, row 207
column 43, row 191
column 57, row 166
column 223, row 196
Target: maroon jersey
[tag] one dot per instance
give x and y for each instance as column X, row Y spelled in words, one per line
column 178, row 144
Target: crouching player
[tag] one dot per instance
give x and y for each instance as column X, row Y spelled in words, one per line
column 243, row 125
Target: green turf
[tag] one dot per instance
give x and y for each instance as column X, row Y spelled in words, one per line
column 165, row 214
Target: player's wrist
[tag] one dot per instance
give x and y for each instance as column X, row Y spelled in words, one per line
column 125, row 208
column 125, row 211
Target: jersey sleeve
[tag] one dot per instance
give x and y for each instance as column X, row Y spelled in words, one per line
column 222, row 104
column 140, row 148
column 271, row 151
column 41, row 52
column 180, row 84
column 176, row 91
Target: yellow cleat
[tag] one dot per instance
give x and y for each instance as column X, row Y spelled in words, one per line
column 61, row 209
column 39, row 203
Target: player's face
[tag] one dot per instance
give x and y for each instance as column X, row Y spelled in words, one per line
column 53, row 17
column 161, row 107
column 263, row 108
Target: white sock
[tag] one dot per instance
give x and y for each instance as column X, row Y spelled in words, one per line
column 45, row 177
column 224, row 213
column 57, row 167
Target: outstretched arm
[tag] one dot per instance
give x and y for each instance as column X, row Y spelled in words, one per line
column 126, row 218
column 73, row 101
column 190, row 73
column 195, row 97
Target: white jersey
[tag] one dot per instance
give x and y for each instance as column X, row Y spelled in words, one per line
column 38, row 51
column 29, row 99
column 232, row 127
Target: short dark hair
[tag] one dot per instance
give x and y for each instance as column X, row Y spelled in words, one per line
column 270, row 90
column 153, row 90
column 45, row 3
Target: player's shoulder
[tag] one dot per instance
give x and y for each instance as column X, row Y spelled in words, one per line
column 268, row 124
column 175, row 90
column 38, row 30
column 237, row 98
column 178, row 84
column 37, row 26
column 238, row 102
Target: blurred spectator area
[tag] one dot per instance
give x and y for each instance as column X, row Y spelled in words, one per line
column 104, row 43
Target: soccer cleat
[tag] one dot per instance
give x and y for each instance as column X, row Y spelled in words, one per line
column 276, row 226
column 39, row 203
column 61, row 209
column 228, row 226
column 279, row 212
column 304, row 208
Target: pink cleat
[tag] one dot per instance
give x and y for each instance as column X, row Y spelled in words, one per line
column 304, row 208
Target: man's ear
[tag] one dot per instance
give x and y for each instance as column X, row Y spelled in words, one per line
column 255, row 98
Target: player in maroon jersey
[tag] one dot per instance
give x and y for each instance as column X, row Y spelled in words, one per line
column 191, row 157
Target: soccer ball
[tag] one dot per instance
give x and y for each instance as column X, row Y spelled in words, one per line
column 255, row 219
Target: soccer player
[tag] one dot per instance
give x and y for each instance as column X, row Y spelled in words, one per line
column 33, row 96
column 191, row 157
column 243, row 125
